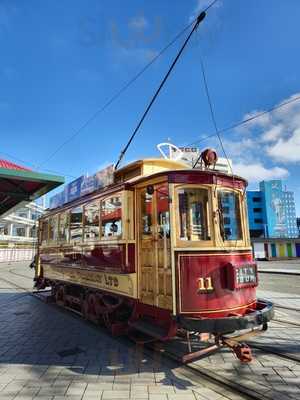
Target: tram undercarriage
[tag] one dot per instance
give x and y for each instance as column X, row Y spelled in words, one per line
column 193, row 337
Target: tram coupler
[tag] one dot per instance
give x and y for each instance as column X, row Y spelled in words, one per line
column 241, row 350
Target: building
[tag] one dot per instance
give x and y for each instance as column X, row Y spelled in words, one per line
column 272, row 211
column 256, row 214
column 20, row 189
column 298, row 226
column 21, row 225
column 272, row 249
column 18, row 232
column 290, row 214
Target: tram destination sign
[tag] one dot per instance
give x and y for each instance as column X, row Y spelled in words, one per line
column 82, row 186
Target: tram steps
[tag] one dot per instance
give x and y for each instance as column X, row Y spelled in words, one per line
column 149, row 328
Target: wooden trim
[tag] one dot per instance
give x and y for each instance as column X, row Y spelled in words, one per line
column 189, row 243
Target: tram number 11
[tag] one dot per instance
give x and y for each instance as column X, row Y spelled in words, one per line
column 205, row 284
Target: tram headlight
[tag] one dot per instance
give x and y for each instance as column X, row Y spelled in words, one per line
column 242, row 276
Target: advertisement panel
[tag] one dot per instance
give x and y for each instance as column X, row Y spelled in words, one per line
column 73, row 189
column 82, row 186
column 57, row 200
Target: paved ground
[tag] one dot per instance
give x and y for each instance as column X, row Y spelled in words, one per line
column 280, row 265
column 47, row 353
column 286, row 285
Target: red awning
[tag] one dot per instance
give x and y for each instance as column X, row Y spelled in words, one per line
column 18, row 184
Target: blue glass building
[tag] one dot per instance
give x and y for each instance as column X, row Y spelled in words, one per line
column 272, row 212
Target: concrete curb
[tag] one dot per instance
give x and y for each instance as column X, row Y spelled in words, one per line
column 276, row 271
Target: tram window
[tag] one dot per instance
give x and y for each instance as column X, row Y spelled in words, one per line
column 230, row 221
column 194, row 214
column 44, row 233
column 64, row 233
column 111, row 217
column 146, row 213
column 53, row 228
column 91, row 221
column 76, row 224
column 163, row 214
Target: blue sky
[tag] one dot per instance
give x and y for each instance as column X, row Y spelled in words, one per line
column 62, row 60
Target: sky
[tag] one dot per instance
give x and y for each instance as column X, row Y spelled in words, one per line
column 61, row 61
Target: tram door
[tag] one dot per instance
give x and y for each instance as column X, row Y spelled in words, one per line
column 155, row 275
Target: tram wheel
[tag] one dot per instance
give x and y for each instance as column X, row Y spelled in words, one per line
column 90, row 308
column 60, row 296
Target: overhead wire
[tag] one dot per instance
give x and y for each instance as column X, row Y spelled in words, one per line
column 196, row 23
column 122, row 89
column 212, row 113
column 110, row 101
column 122, row 153
column 247, row 120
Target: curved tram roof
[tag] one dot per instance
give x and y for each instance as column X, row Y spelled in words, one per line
column 146, row 169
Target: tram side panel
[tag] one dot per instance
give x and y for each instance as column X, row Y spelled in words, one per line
column 207, row 285
column 107, row 265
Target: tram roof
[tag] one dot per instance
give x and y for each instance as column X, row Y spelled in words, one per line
column 151, row 168
column 19, row 185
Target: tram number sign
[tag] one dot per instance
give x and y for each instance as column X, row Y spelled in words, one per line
column 205, row 285
column 241, row 276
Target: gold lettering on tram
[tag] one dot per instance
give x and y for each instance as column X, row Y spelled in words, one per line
column 205, row 284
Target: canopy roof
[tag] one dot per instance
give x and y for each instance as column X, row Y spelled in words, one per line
column 20, row 184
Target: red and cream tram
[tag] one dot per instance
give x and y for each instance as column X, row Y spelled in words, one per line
column 164, row 249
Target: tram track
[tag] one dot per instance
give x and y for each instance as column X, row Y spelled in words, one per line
column 218, row 383
column 287, row 308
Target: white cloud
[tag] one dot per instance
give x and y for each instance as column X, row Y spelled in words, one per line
column 138, row 23
column 286, row 150
column 139, row 55
column 138, row 45
column 277, row 134
column 273, row 133
column 257, row 172
column 238, row 147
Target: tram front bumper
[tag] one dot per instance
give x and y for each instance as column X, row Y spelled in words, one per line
column 264, row 313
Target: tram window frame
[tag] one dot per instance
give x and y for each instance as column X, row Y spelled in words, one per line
column 85, row 226
column 222, row 230
column 67, row 226
column 209, row 225
column 54, row 239
column 163, row 217
column 112, row 237
column 44, row 231
column 80, row 238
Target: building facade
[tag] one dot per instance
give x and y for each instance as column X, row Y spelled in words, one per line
column 18, row 232
column 272, row 249
column 272, row 211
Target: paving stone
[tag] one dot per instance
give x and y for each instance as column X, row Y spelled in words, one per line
column 158, row 397
column 139, row 396
column 182, row 396
column 106, row 366
column 115, row 394
column 161, row 389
